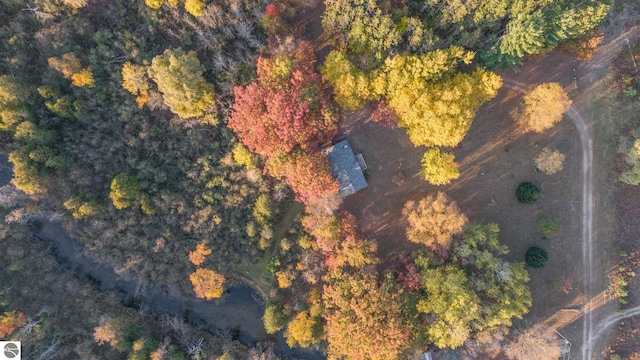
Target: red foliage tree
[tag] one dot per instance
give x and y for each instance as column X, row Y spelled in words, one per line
column 272, row 10
column 407, row 274
column 307, row 173
column 286, row 107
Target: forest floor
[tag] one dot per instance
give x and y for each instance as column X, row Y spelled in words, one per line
column 569, row 294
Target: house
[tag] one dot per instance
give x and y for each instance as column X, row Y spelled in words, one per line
column 346, row 168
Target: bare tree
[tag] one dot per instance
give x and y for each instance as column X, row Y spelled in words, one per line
column 538, row 342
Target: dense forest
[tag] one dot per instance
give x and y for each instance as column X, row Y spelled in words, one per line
column 178, row 140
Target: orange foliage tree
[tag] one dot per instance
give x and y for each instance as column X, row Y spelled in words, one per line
column 10, row 321
column 364, row 318
column 207, row 284
column 200, row 253
column 306, row 173
column 433, row 221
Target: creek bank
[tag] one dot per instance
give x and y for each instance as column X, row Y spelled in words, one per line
column 239, row 312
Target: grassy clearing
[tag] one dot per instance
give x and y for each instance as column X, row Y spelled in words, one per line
column 255, row 272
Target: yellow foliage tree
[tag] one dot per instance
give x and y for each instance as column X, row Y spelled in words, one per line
column 242, row 156
column 285, row 278
column 350, row 84
column 12, row 103
column 26, row 175
column 439, row 167
column 125, row 190
column 83, row 78
column 178, row 75
column 543, row 107
column 136, row 81
column 71, row 68
column 200, row 253
column 304, row 330
column 194, row 7
column 433, row 221
column 207, row 284
column 154, row 4
column 550, row 161
column 80, row 208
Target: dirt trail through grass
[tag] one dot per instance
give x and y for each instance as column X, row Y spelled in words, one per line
column 593, row 70
column 583, row 126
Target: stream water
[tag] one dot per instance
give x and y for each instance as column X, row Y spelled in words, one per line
column 239, row 310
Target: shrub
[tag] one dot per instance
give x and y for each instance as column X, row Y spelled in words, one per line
column 549, row 162
column 548, row 227
column 527, row 193
column 536, row 257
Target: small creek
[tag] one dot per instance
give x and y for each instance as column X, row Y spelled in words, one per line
column 239, row 310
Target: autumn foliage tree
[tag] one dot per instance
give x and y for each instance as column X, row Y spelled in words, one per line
column 501, row 285
column 274, row 317
column 351, row 88
column 453, row 302
column 286, row 107
column 549, row 161
column 71, row 68
column 207, row 284
column 543, row 107
column 10, row 321
column 178, row 75
column 125, row 190
column 307, row 173
column 364, row 315
column 433, row 221
column 110, row 331
column 433, row 102
column 439, row 167
column 304, row 330
column 13, row 104
column 136, row 81
column 199, row 254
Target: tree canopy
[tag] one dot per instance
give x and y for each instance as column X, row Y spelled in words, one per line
column 363, row 316
column 178, row 75
column 439, row 167
column 433, row 221
column 543, row 107
column 207, row 284
column 286, row 107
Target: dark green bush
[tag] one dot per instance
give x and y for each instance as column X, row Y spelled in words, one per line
column 536, row 257
column 527, row 193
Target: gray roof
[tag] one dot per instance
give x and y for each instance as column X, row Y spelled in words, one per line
column 345, row 168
